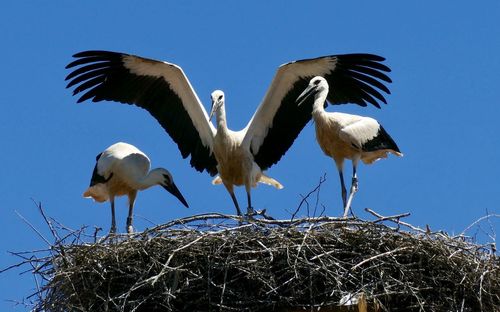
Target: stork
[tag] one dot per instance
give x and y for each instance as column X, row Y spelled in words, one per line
column 240, row 157
column 345, row 136
column 122, row 169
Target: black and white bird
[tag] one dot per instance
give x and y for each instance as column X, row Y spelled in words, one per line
column 240, row 157
column 122, row 169
column 345, row 136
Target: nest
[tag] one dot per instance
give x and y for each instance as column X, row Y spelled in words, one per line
column 215, row 263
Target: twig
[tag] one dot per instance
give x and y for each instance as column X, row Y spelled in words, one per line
column 379, row 256
column 397, row 221
column 304, row 198
column 33, row 228
column 488, row 216
column 47, row 221
column 393, row 217
column 155, row 278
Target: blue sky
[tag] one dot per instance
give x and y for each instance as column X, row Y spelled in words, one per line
column 443, row 111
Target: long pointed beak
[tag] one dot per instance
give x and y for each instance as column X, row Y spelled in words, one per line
column 172, row 189
column 304, row 95
column 212, row 110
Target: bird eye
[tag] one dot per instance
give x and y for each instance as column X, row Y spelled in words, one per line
column 316, row 82
column 220, row 97
column 168, row 180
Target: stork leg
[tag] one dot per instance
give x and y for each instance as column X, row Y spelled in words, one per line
column 340, row 167
column 113, row 222
column 131, row 201
column 343, row 189
column 230, row 189
column 354, row 187
column 250, row 211
column 235, row 201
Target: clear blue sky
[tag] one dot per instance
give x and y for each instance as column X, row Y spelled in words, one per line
column 443, row 111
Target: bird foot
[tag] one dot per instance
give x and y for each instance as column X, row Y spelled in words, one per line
column 130, row 229
column 250, row 212
column 261, row 213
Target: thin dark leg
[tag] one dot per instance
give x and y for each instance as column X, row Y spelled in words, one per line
column 113, row 222
column 250, row 211
column 131, row 201
column 229, row 188
column 343, row 189
column 354, row 187
column 238, row 211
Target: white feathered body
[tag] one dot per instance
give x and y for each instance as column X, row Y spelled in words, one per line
column 342, row 136
column 128, row 166
column 235, row 162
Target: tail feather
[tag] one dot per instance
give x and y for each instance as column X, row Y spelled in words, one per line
column 97, row 192
column 371, row 157
column 217, row 180
column 263, row 179
column 270, row 181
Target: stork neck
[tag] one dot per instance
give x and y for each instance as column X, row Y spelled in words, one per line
column 220, row 117
column 153, row 177
column 319, row 103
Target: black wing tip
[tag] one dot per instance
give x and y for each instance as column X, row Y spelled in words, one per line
column 365, row 59
column 89, row 53
column 365, row 56
column 347, row 56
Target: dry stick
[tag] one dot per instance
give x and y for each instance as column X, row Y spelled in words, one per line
column 33, row 228
column 299, row 249
column 304, row 198
column 267, row 249
column 481, row 279
column 47, row 221
column 225, row 275
column 393, row 217
column 321, row 180
column 477, row 221
column 379, row 255
column 260, row 222
column 165, row 266
column 200, row 217
column 16, row 265
column 38, row 291
column 395, row 221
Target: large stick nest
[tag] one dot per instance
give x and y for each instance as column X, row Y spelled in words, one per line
column 214, row 263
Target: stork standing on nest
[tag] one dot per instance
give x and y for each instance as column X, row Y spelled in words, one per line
column 345, row 136
column 240, row 157
column 122, row 169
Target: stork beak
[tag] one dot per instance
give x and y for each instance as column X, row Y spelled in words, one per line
column 212, row 110
column 305, row 95
column 172, row 189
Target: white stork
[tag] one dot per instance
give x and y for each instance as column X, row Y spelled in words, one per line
column 122, row 169
column 239, row 157
column 345, row 136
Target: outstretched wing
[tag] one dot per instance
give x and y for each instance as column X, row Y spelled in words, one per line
column 353, row 78
column 159, row 87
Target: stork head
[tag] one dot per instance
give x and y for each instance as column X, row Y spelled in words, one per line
column 317, row 85
column 167, row 182
column 217, row 102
